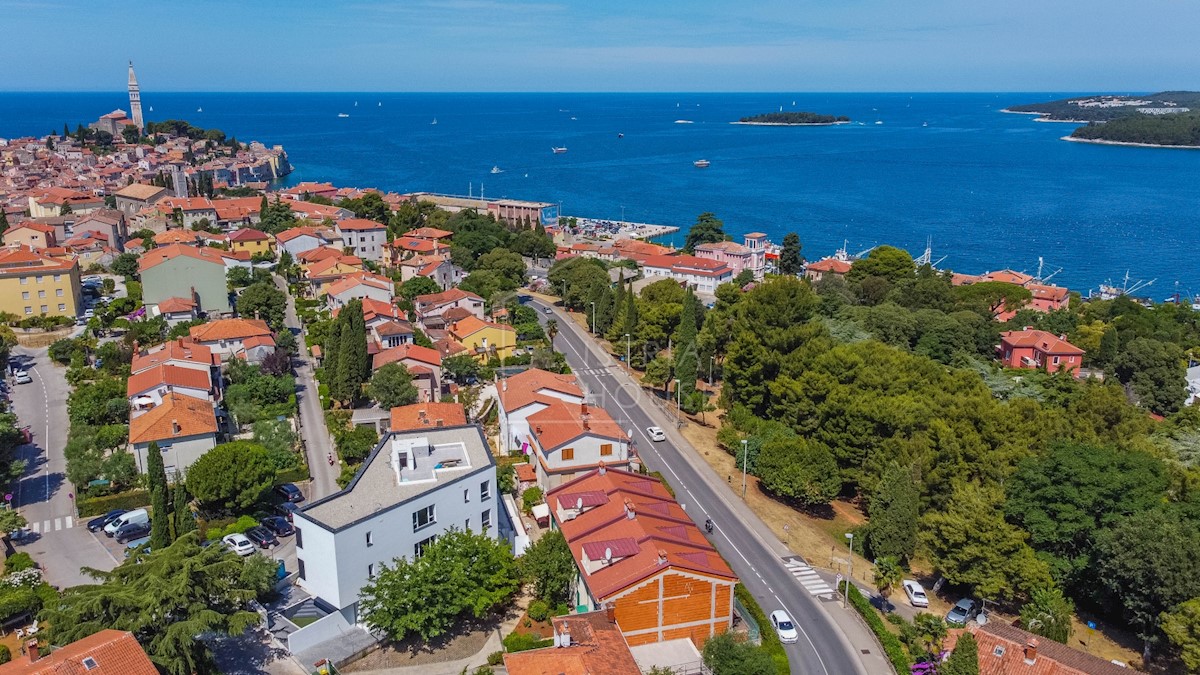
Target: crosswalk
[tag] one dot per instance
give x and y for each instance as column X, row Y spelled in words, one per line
column 808, row 578
column 599, row 371
column 42, row 527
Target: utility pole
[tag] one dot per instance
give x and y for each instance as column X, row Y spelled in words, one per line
column 849, row 570
column 745, row 460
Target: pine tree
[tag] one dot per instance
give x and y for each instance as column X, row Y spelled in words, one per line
column 160, row 522
column 789, row 256
column 184, row 521
column 686, row 360
column 895, row 515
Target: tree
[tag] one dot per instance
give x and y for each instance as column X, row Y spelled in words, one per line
column 887, row 576
column 551, row 331
column 798, row 469
column 1110, row 347
column 126, row 265
column 1152, row 371
column 686, row 360
column 392, row 386
column 887, row 262
column 964, row 660
column 11, row 521
column 461, row 367
column 658, row 372
column 3, row 221
column 457, row 574
column 708, row 229
column 731, row 654
column 790, row 261
column 1182, row 628
column 418, row 286
column 504, row 263
column 1048, row 613
column 263, row 300
column 894, row 511
column 184, row 520
column 550, row 567
column 168, row 600
column 231, row 477
column 160, row 524
column 990, row 298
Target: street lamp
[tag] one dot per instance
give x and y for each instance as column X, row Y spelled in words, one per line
column 627, row 339
column 678, row 397
column 745, row 460
column 711, row 359
column 849, row 570
column 593, row 318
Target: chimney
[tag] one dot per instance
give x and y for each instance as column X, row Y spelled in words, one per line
column 1031, row 651
column 610, row 613
column 564, row 635
column 630, row 511
column 583, row 408
column 503, row 385
column 175, row 428
column 538, row 430
column 662, row 557
column 31, row 648
column 603, row 469
column 439, row 423
column 585, row 419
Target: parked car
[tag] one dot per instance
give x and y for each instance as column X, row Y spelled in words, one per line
column 962, row 612
column 547, row 310
column 916, row 594
column 132, row 531
column 98, row 522
column 239, row 544
column 286, row 510
column 23, row 378
column 289, row 492
column 137, row 546
column 92, row 279
column 279, row 525
column 656, row 433
column 134, row 516
column 784, row 627
column 262, row 537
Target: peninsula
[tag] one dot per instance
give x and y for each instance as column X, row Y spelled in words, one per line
column 1108, row 107
column 1162, row 131
column 793, row 119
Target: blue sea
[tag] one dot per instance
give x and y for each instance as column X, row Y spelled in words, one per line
column 991, row 190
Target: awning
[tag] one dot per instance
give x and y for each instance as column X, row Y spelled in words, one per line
column 541, row 511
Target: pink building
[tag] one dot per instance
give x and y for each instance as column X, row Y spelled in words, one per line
column 752, row 255
column 1039, row 349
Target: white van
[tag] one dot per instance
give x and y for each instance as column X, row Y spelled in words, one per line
column 134, row 516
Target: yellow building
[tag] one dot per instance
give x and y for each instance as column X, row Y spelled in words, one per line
column 484, row 339
column 251, row 240
column 33, row 284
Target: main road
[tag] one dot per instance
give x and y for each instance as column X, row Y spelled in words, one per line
column 755, row 555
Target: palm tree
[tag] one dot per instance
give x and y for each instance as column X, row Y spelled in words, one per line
column 887, row 577
column 551, row 331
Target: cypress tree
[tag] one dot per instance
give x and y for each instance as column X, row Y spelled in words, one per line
column 331, row 362
column 618, row 313
column 964, row 660
column 358, row 329
column 686, row 360
column 604, row 309
column 789, row 256
column 1110, row 344
column 631, row 317
column 184, row 522
column 3, row 220
column 160, row 523
column 263, row 208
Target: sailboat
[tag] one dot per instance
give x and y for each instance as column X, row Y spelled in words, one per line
column 496, row 169
column 199, row 109
column 434, row 121
column 381, row 104
column 343, row 115
column 356, row 104
column 151, row 108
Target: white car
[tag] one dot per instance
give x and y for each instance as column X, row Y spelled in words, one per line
column 239, row 544
column 656, row 433
column 916, row 594
column 784, row 627
column 23, row 377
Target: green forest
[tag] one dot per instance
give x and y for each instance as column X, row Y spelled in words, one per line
column 794, row 118
column 1067, row 108
column 1175, row 129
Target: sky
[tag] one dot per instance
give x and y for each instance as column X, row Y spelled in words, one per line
column 601, row 45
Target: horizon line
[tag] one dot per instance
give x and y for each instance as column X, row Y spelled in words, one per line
column 576, row 92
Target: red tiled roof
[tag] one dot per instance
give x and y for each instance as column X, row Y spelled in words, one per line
column 360, row 225
column 524, row 388
column 176, row 350
column 22, row 260
column 832, row 265
column 597, row 646
column 1041, row 340
column 297, row 232
column 586, row 499
column 192, row 417
column 445, row 297
column 429, row 233
column 561, row 422
column 248, row 234
column 175, row 376
column 162, row 254
column 688, row 264
column 319, row 253
column 1002, row 651
column 360, row 279
column 176, row 305
column 229, row 329
column 427, row 415
column 113, row 652
column 525, row 472
column 406, row 352
column 471, row 325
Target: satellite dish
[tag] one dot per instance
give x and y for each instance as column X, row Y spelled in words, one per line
column 579, row 503
column 607, row 554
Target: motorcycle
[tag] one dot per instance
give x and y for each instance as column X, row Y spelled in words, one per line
column 708, row 526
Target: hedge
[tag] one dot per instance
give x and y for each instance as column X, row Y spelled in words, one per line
column 770, row 639
column 519, row 642
column 131, row 499
column 891, row 644
column 293, row 475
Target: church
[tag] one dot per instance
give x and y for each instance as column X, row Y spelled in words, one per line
column 116, row 121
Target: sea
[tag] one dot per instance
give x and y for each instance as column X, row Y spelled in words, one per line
column 985, row 189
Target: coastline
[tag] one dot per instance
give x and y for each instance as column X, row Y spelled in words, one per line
column 1047, row 119
column 792, row 124
column 1021, row 112
column 1101, row 141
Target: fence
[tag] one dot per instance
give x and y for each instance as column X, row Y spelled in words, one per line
column 753, row 630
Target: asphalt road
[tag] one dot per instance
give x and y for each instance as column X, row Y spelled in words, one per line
column 822, row 648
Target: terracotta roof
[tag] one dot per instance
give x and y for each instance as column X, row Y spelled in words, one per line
column 524, row 388
column 429, row 233
column 229, row 329
column 1002, row 651
column 472, row 325
column 597, row 646
column 832, row 265
column 360, row 224
column 688, row 264
column 176, row 305
column 320, row 267
column 443, row 298
column 297, row 232
column 162, row 254
column 113, row 652
column 169, row 375
column 258, row 341
column 1007, row 277
column 726, row 246
column 373, row 308
column 422, row 415
column 449, row 346
column 140, row 191
column 317, row 254
column 32, row 225
column 417, row 245
column 406, row 352
column 176, row 350
column 248, row 234
column 561, row 422
column 360, row 279
column 1045, row 292
column 391, row 327
column 178, row 416
column 1040, row 340
column 21, row 260
column 658, row 524
column 456, row 314
column 525, row 472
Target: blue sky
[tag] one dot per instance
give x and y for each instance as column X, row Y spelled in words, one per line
column 602, row 45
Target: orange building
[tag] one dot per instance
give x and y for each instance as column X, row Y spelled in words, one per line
column 1039, row 349
column 639, row 553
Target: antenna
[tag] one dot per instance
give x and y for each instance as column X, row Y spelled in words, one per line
column 607, row 554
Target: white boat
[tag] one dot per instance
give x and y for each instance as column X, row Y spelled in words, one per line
column 434, row 121
column 572, row 118
column 878, row 121
column 496, row 169
column 342, row 115
column 151, row 108
column 559, row 150
column 684, row 122
column 356, row 104
column 701, row 163
column 380, row 104
column 199, row 109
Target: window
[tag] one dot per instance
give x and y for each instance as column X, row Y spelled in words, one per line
column 28, row 310
column 568, row 454
column 1056, row 360
column 486, row 519
column 371, row 571
column 424, row 518
column 420, row 546
column 45, row 309
column 39, row 279
column 24, row 281
column 58, row 292
column 300, row 563
column 24, row 295
column 485, row 491
column 41, row 294
column 62, row 307
column 370, row 540
column 89, row 663
column 606, row 450
column 299, row 538
column 466, row 495
column 57, row 278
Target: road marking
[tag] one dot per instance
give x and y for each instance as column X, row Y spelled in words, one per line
column 808, row 578
column 650, row 443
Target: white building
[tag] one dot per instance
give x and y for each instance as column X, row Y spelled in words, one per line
column 365, row 238
column 701, row 274
column 413, row 487
column 527, row 393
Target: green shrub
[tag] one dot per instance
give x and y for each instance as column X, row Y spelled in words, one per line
column 5, row 654
column 17, row 562
column 483, row 670
column 293, row 475
column 530, row 497
column 538, row 610
column 132, row 499
column 891, row 644
column 770, row 639
column 238, row 526
column 519, row 642
column 495, row 658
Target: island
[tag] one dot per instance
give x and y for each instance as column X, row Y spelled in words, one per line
column 1109, row 107
column 793, row 119
column 1160, row 131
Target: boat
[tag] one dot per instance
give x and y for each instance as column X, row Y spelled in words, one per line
column 701, row 163
column 356, row 104
column 924, row 124
column 380, row 104
column 878, row 121
column 1111, row 291
column 684, row 122
column 434, row 121
column 620, row 135
column 151, row 108
column 496, row 169
column 573, row 117
column 342, row 115
column 199, row 109
column 559, row 150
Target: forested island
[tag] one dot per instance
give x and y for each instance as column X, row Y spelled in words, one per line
column 1109, row 107
column 1175, row 130
column 793, row 119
